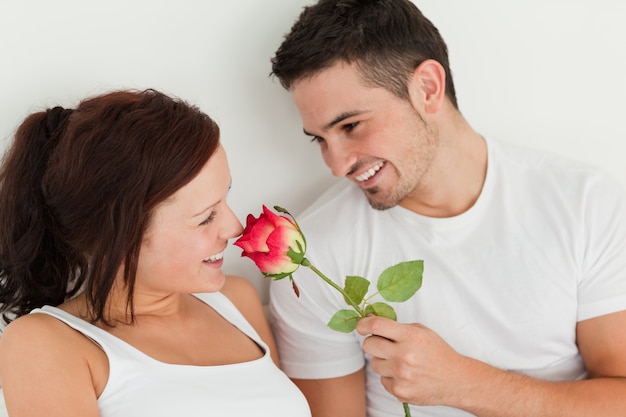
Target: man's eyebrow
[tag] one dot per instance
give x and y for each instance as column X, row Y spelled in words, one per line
column 340, row 118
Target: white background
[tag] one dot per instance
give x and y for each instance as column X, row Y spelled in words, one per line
column 546, row 73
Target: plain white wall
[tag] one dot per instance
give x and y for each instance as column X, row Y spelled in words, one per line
column 547, row 73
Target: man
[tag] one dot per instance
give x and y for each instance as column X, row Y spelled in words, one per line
column 523, row 305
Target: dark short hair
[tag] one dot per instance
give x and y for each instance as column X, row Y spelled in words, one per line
column 77, row 189
column 387, row 39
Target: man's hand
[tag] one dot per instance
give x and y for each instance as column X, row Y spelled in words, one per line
column 415, row 364
column 419, row 367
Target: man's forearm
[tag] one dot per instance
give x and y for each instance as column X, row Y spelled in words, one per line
column 491, row 392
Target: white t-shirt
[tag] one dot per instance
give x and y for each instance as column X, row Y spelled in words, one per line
column 505, row 282
column 140, row 386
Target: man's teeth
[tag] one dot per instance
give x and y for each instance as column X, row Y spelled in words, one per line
column 215, row 257
column 370, row 172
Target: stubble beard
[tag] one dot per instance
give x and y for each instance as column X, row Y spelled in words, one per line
column 380, row 202
column 423, row 154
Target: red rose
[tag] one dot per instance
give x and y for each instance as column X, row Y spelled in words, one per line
column 276, row 245
column 273, row 242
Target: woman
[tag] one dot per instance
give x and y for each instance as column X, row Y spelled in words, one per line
column 113, row 223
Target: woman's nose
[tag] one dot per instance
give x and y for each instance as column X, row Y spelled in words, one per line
column 233, row 227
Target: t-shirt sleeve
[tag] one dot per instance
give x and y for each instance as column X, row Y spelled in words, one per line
column 602, row 286
column 308, row 348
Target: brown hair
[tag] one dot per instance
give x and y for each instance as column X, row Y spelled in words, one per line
column 387, row 39
column 77, row 189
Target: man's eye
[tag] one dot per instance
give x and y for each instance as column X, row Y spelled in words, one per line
column 208, row 219
column 350, row 126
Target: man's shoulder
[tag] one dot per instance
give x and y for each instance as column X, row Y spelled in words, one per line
column 545, row 165
column 341, row 197
column 556, row 177
column 528, row 157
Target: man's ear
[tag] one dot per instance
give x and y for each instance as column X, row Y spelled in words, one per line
column 427, row 86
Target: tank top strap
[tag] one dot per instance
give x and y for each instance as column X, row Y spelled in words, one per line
column 220, row 303
column 109, row 343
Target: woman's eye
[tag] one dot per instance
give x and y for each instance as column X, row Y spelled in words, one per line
column 317, row 139
column 208, row 219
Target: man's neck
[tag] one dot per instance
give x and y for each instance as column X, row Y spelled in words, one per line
column 457, row 178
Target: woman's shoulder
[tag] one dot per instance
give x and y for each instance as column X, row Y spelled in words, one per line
column 239, row 289
column 243, row 294
column 43, row 358
column 35, row 341
column 31, row 327
column 35, row 337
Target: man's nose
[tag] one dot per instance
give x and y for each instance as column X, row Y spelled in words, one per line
column 340, row 157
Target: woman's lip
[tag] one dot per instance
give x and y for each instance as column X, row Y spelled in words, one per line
column 216, row 257
column 217, row 263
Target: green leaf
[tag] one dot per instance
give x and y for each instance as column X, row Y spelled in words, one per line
column 381, row 310
column 296, row 257
column 344, row 321
column 356, row 287
column 276, row 277
column 400, row 282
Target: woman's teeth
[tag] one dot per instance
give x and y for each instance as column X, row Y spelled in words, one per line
column 215, row 257
column 370, row 172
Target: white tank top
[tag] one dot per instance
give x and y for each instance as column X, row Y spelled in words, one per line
column 140, row 386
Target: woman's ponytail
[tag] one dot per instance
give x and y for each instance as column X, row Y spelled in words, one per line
column 33, row 268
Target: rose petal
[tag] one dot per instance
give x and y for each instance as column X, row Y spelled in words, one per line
column 266, row 241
